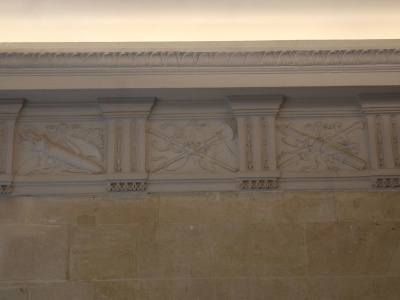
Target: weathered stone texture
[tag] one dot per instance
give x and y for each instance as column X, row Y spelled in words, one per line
column 175, row 250
column 134, row 289
column 356, row 249
column 247, row 245
column 121, row 209
column 62, row 291
column 14, row 210
column 33, row 252
column 367, row 206
column 14, row 292
column 202, row 289
column 204, row 208
column 307, row 206
column 260, row 250
column 103, row 252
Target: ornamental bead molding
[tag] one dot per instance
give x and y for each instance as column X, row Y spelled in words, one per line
column 258, row 184
column 174, row 59
column 386, row 182
column 126, row 186
column 5, row 189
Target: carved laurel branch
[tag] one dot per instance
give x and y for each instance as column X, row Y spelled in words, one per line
column 37, row 60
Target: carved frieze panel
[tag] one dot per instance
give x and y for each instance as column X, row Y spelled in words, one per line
column 245, row 143
column 60, row 148
column 3, row 136
column 322, row 145
column 189, row 146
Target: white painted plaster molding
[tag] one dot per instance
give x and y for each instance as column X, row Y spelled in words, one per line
column 183, row 59
column 71, row 66
column 242, row 143
column 127, row 139
column 199, row 119
column 9, row 110
column 382, row 111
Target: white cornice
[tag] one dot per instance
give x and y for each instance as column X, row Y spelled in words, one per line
column 199, row 117
column 199, row 55
column 186, row 60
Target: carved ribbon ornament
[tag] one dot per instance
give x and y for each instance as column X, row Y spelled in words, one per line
column 187, row 146
column 328, row 144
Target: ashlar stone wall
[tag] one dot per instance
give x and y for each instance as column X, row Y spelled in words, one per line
column 250, row 245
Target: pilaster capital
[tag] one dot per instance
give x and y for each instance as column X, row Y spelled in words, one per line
column 9, row 108
column 255, row 105
column 126, row 106
column 380, row 103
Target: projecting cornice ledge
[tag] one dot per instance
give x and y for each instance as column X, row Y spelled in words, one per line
column 126, row 59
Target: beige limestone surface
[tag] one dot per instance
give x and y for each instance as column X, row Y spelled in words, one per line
column 247, row 245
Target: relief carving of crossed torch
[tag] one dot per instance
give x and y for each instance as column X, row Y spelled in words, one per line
column 188, row 146
column 329, row 143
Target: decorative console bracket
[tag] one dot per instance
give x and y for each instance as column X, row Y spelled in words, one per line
column 126, row 123
column 255, row 117
column 9, row 110
column 383, row 112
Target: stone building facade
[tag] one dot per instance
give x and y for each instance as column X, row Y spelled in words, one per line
column 264, row 170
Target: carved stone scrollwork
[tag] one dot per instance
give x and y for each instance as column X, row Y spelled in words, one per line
column 386, row 182
column 249, row 144
column 60, row 149
column 395, row 140
column 3, row 136
column 258, row 184
column 324, row 146
column 264, row 150
column 201, row 143
column 126, row 186
column 5, row 189
column 379, row 141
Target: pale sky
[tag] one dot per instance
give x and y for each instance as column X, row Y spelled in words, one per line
column 206, row 20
